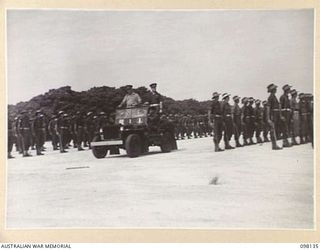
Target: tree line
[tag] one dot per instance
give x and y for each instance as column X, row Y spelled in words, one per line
column 99, row 99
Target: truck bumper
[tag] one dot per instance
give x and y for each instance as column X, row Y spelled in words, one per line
column 107, row 143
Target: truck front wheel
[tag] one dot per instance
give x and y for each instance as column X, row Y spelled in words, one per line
column 99, row 151
column 133, row 145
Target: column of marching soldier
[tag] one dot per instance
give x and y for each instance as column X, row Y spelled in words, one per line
column 289, row 118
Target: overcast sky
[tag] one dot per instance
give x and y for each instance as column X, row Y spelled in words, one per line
column 189, row 54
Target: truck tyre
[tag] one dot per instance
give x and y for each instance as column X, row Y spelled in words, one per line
column 133, row 145
column 101, row 151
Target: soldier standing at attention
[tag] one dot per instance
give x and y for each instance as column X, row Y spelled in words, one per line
column 131, row 99
column 73, row 132
column 258, row 111
column 295, row 119
column 246, row 120
column 303, row 118
column 309, row 101
column 251, row 120
column 69, row 131
column 39, row 130
column 24, row 128
column 79, row 129
column 227, row 120
column 17, row 134
column 89, row 127
column 273, row 114
column 244, row 113
column 11, row 137
column 237, row 120
column 285, row 115
column 52, row 132
column 217, row 122
column 62, row 130
column 32, row 138
column 201, row 127
column 266, row 127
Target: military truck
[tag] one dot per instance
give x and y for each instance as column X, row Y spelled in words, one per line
column 134, row 132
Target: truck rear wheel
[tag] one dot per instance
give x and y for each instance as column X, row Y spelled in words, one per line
column 133, row 145
column 99, row 151
column 166, row 142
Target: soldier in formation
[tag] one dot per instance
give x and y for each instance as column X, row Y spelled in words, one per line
column 266, row 127
column 284, row 119
column 39, row 131
column 237, row 124
column 89, row 128
column 286, row 115
column 259, row 124
column 295, row 120
column 53, row 132
column 215, row 116
column 227, row 120
column 24, row 132
column 79, row 130
column 11, row 137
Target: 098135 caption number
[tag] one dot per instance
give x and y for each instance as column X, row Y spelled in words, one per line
column 309, row 246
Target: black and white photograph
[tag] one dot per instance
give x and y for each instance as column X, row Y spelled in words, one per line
column 169, row 119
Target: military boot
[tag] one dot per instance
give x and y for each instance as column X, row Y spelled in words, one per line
column 238, row 145
column 302, row 141
column 217, row 148
column 251, row 142
column 275, row 146
column 286, row 143
column 265, row 139
column 259, row 140
column 26, row 154
column 228, row 146
column 294, row 141
column 39, row 152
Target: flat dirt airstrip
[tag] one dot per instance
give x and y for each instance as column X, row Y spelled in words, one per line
column 246, row 188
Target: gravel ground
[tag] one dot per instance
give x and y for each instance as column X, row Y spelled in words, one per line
column 246, row 188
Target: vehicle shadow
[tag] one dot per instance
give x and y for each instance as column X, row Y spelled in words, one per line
column 142, row 155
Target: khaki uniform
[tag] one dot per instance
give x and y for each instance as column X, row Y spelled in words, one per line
column 39, row 132
column 53, row 133
column 228, row 123
column 258, row 112
column 24, row 128
column 216, row 112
